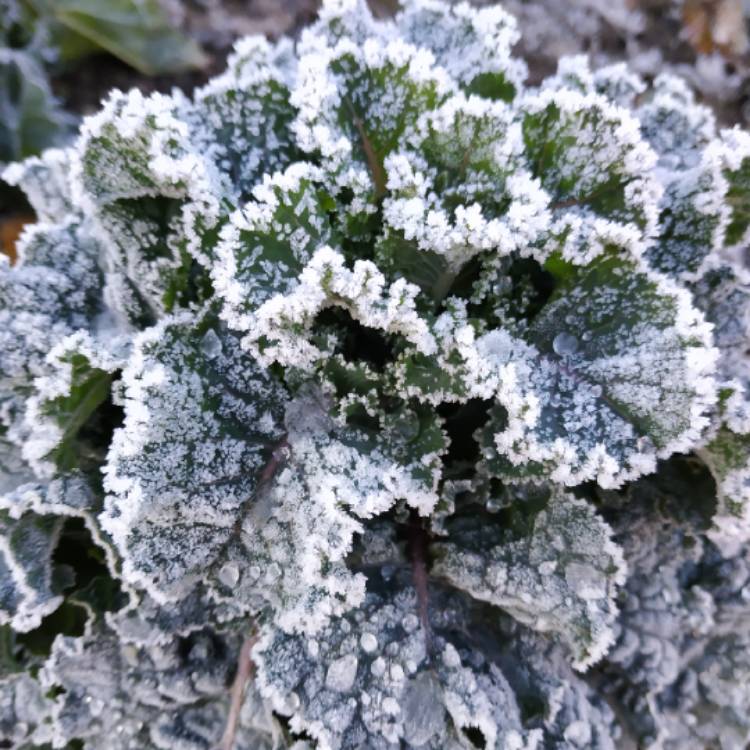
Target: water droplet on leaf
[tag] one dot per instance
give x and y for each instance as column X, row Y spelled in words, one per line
column 565, row 344
column 211, row 344
column 342, row 673
column 229, row 574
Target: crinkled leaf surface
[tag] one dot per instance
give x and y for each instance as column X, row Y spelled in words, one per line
column 243, row 116
column 166, row 697
column 201, row 421
column 383, row 676
column 53, row 290
column 555, row 570
column 620, row 371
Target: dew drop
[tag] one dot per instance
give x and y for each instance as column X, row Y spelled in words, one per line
column 211, row 344
column 368, row 642
column 547, row 568
column 565, row 344
column 229, row 574
column 378, row 667
column 494, row 505
column 342, row 673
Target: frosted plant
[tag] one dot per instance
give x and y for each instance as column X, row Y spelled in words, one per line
column 370, row 397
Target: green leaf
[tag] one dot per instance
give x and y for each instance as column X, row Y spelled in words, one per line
column 137, row 32
column 158, row 203
column 282, row 328
column 474, row 46
column 461, row 187
column 268, row 241
column 31, row 119
column 738, row 176
column 727, row 455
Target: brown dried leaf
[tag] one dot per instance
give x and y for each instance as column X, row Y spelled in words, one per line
column 716, row 26
column 10, row 229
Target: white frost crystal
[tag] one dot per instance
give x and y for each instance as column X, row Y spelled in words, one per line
column 368, row 395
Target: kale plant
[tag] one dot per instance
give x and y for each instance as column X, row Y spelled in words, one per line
column 372, row 398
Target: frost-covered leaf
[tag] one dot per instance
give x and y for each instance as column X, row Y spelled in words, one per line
column 27, row 588
column 355, row 101
column 554, row 567
column 661, row 551
column 694, row 216
column 460, row 188
column 705, row 200
column 680, row 660
column 32, row 518
column 46, row 182
column 614, row 370
column 155, row 197
column 710, row 703
column 728, row 457
column 269, row 241
column 259, row 498
column 243, row 116
column 291, row 553
column 116, row 695
column 723, row 295
column 65, row 401
column 617, row 82
column 53, row 290
column 474, row 46
column 201, row 421
column 737, row 173
column 674, row 124
column 619, row 373
column 370, row 681
column 279, row 330
column 382, row 676
column 590, row 158
column 24, row 709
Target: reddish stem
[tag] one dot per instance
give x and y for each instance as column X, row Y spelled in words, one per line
column 417, row 548
column 277, row 458
column 245, row 668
